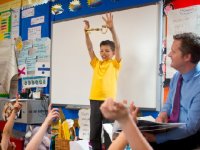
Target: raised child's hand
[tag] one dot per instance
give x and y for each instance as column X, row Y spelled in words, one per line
column 108, row 20
column 52, row 115
column 134, row 111
column 87, row 24
column 17, row 105
column 114, row 110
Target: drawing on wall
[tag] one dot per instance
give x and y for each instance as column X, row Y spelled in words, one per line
column 18, row 44
column 74, row 5
column 22, row 71
column 57, row 9
column 94, row 3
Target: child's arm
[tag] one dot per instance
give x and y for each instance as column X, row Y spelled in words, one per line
column 109, row 23
column 88, row 40
column 119, row 143
column 37, row 138
column 118, row 111
column 7, row 131
column 133, row 135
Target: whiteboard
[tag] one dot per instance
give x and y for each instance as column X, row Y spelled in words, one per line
column 138, row 30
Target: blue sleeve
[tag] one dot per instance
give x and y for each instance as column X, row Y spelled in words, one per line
column 191, row 127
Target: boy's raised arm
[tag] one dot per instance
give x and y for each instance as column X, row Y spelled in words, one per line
column 88, row 41
column 109, row 23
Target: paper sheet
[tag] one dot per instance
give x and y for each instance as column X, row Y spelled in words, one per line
column 109, row 129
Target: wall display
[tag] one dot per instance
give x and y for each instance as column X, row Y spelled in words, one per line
column 31, row 82
column 34, row 52
column 57, row 9
column 74, row 5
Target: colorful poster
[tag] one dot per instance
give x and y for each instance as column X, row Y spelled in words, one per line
column 5, row 25
column 30, row 82
column 36, row 55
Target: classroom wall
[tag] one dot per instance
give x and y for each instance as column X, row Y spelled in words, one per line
column 45, row 10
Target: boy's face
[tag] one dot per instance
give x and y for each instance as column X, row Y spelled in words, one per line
column 106, row 52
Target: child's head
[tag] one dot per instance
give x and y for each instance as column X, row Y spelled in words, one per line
column 107, row 49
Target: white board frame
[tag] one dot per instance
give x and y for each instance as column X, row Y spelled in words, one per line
column 139, row 78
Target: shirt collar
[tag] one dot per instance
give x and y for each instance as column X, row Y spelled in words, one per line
column 191, row 73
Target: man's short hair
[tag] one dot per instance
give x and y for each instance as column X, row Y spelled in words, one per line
column 109, row 43
column 190, row 44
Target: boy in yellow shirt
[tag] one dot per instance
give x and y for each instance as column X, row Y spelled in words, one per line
column 104, row 82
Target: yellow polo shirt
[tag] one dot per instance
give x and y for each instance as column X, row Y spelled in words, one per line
column 104, row 81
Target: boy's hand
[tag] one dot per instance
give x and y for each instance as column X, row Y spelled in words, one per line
column 109, row 21
column 87, row 24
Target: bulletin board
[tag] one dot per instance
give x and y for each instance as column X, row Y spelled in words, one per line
column 29, row 17
column 139, row 31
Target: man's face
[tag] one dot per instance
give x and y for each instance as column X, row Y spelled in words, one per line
column 178, row 61
column 106, row 52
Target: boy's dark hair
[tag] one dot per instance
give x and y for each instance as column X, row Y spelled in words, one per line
column 109, row 43
column 190, row 44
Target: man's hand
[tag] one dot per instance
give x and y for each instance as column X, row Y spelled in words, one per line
column 162, row 117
